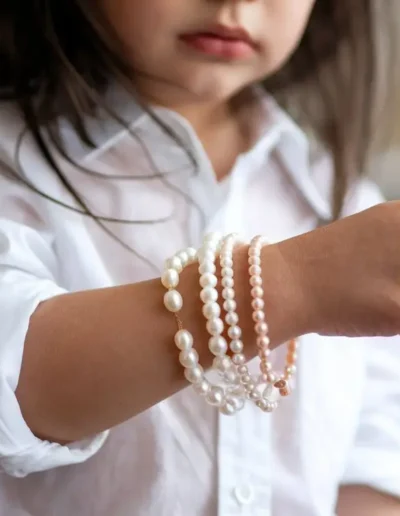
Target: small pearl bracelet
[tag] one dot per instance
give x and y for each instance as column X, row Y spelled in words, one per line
column 236, row 383
column 279, row 381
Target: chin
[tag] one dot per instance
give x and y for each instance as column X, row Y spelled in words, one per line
column 215, row 88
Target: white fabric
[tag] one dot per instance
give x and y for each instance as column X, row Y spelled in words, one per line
column 342, row 424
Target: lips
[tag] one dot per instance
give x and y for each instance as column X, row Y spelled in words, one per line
column 222, row 41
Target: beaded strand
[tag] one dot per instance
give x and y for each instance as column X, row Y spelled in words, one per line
column 236, row 383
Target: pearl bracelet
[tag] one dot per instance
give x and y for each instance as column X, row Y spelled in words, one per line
column 227, row 399
column 279, row 381
column 236, row 383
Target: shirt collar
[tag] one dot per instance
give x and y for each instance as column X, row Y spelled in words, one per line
column 276, row 131
column 293, row 151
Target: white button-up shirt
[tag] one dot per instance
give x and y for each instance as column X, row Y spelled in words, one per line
column 180, row 458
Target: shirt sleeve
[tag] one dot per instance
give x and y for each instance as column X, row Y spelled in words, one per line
column 28, row 272
column 374, row 459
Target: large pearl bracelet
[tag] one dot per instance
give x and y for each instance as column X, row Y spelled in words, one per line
column 236, row 385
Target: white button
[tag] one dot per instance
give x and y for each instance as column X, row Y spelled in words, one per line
column 244, row 494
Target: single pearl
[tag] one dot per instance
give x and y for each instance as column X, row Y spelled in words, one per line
column 249, row 387
column 206, row 255
column 215, row 396
column 207, row 267
column 254, row 252
column 238, row 402
column 234, row 332
column 290, row 370
column 208, row 280
column 270, row 406
column 254, row 260
column 245, row 379
column 192, row 253
column 222, row 364
column 170, row 278
column 213, row 246
column 209, row 295
column 227, row 282
column 257, row 304
column 194, row 374
column 239, row 359
column 255, row 395
column 228, row 408
column 229, row 305
column 227, row 271
column 256, row 281
column 184, row 257
column 261, row 328
column 243, row 369
column 257, row 292
column 173, row 301
column 228, row 293
column 272, row 378
column 231, row 318
column 215, row 326
column 264, row 354
column 231, row 377
column 203, row 387
column 189, row 358
column 174, row 263
column 255, row 270
column 262, row 404
column 258, row 316
column 211, row 310
column 291, row 358
column 263, row 378
column 227, row 262
column 266, row 367
column 218, row 346
column 184, row 340
column 263, row 342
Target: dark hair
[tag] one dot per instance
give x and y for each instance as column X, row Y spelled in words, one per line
column 57, row 57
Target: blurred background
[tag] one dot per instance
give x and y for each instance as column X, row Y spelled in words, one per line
column 385, row 169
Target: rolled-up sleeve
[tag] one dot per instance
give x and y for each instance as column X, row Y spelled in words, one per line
column 28, row 276
column 375, row 457
column 374, row 460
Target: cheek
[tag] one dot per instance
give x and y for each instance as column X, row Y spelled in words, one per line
column 289, row 22
column 138, row 23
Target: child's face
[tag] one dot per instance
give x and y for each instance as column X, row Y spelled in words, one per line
column 182, row 45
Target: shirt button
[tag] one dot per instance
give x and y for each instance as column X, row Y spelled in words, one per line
column 244, row 494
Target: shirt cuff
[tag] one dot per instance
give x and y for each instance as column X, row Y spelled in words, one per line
column 38, row 455
column 21, row 452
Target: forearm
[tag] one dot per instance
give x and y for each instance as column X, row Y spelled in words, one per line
column 97, row 358
column 366, row 502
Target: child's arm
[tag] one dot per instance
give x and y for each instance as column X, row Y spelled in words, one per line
column 97, row 358
column 360, row 500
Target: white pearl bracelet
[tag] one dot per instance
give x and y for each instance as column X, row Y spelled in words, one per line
column 226, row 399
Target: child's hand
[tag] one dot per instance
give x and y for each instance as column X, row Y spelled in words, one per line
column 349, row 274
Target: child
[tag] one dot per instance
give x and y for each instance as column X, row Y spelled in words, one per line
column 129, row 129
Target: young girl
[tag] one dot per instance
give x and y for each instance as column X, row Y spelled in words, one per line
column 128, row 130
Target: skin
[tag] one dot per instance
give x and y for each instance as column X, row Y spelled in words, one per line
column 340, row 280
column 203, row 88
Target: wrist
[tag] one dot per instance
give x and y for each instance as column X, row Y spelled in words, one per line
column 288, row 305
